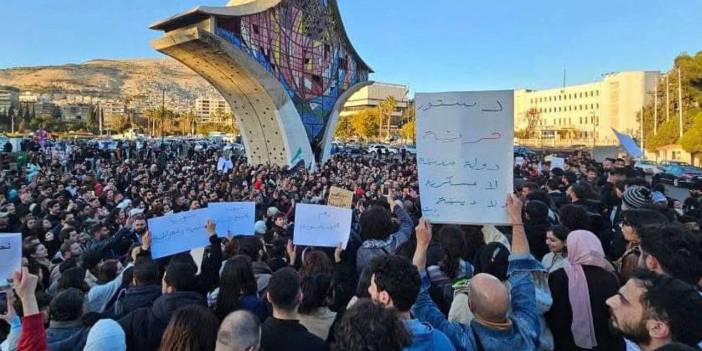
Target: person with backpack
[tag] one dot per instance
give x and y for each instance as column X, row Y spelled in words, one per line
column 452, row 269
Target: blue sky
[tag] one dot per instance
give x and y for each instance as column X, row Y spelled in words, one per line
column 437, row 45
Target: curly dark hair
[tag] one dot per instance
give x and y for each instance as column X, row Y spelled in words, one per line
column 368, row 326
column 673, row 302
column 376, row 224
column 398, row 277
column 575, row 217
column 677, row 251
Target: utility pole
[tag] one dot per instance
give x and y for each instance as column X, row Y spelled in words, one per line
column 667, row 98
column 97, row 112
column 680, row 105
column 163, row 111
column 655, row 110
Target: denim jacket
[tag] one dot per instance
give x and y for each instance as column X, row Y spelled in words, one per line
column 373, row 248
column 525, row 330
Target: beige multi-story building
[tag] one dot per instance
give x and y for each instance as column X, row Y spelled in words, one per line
column 372, row 95
column 75, row 111
column 205, row 109
column 9, row 97
column 586, row 113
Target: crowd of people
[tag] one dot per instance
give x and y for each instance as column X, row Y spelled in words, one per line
column 596, row 257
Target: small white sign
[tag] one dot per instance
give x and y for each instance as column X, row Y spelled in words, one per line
column 323, row 226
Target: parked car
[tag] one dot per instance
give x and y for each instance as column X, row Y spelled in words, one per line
column 377, row 148
column 410, row 149
column 649, row 167
column 522, row 151
column 681, row 176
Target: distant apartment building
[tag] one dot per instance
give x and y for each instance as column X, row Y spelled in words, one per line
column 206, row 108
column 75, row 112
column 586, row 113
column 9, row 97
column 372, row 95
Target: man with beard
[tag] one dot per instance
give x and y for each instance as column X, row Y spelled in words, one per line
column 653, row 311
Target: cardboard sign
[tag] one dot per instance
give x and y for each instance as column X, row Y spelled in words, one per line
column 339, row 197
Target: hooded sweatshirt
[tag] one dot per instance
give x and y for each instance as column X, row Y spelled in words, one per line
column 145, row 326
column 106, row 335
column 424, row 337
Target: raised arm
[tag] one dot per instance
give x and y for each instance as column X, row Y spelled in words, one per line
column 520, row 244
column 424, row 308
column 521, row 264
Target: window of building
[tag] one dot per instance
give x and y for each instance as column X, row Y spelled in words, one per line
column 597, row 92
column 255, row 29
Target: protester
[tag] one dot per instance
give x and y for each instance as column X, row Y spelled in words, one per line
column 283, row 331
column 86, row 239
column 556, row 238
column 240, row 331
column 654, row 310
column 578, row 317
column 192, row 327
column 395, row 284
column 368, row 326
column 490, row 298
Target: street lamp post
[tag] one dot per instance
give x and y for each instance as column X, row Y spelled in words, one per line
column 595, row 124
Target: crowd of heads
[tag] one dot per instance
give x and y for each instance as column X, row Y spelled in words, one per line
column 83, row 212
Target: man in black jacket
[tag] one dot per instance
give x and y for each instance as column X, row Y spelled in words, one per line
column 283, row 330
column 145, row 326
column 144, row 290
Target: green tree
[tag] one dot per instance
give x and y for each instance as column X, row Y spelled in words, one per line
column 385, row 109
column 92, row 119
column 187, row 123
column 692, row 139
column 408, row 131
column 23, row 126
column 118, row 123
column 366, row 123
column 344, row 130
column 667, row 132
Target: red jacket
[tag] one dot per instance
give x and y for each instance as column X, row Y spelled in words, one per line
column 33, row 336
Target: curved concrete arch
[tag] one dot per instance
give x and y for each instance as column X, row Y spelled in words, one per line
column 334, row 119
column 271, row 128
column 286, row 68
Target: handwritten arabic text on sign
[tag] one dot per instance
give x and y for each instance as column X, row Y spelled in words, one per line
column 340, row 197
column 323, row 226
column 465, row 155
column 233, row 218
column 179, row 232
column 10, row 255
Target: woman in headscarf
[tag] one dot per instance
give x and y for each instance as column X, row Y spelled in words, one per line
column 579, row 317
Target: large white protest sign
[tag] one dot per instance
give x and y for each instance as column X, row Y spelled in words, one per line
column 465, row 155
column 233, row 218
column 178, row 232
column 323, row 226
column 10, row 255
